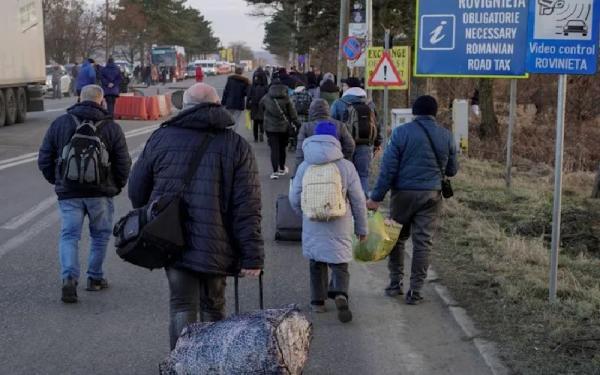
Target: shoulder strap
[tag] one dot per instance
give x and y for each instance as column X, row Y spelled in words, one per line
column 281, row 110
column 196, row 159
column 437, row 156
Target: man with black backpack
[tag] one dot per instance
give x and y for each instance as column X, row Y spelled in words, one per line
column 84, row 155
column 360, row 117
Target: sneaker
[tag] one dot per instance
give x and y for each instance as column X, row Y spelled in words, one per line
column 274, row 176
column 344, row 313
column 413, row 298
column 284, row 171
column 94, row 285
column 319, row 309
column 394, row 290
column 69, row 290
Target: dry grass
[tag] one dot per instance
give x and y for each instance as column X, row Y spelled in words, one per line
column 493, row 253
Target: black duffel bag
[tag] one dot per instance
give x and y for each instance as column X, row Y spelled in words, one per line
column 153, row 236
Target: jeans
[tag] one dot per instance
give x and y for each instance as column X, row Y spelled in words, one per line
column 319, row 288
column 362, row 158
column 278, row 143
column 257, row 129
column 110, row 104
column 193, row 294
column 56, row 91
column 72, row 212
column 419, row 212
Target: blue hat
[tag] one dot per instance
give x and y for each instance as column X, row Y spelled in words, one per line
column 326, row 128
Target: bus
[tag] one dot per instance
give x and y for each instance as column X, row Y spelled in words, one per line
column 172, row 58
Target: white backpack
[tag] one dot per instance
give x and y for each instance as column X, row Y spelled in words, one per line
column 323, row 195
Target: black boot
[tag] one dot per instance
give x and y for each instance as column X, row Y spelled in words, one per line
column 69, row 290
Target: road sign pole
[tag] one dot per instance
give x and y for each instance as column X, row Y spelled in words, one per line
column 386, row 95
column 512, row 118
column 343, row 29
column 558, row 165
column 369, row 6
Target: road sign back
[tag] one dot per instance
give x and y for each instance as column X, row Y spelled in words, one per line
column 386, row 73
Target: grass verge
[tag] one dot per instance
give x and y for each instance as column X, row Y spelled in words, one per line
column 493, row 254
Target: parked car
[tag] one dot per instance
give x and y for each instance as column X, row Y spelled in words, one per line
column 65, row 80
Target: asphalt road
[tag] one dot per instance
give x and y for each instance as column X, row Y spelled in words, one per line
column 123, row 330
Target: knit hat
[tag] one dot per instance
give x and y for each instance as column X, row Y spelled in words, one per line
column 425, row 106
column 326, row 128
column 352, row 82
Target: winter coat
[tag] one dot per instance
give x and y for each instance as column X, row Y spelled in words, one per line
column 409, row 162
column 319, row 112
column 274, row 120
column 236, row 90
column 255, row 94
column 330, row 92
column 58, row 136
column 199, row 74
column 111, row 73
column 339, row 109
column 223, row 199
column 312, row 80
column 331, row 241
column 86, row 76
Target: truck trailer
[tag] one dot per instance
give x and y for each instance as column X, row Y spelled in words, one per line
column 22, row 60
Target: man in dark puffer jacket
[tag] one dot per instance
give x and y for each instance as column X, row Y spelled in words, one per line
column 234, row 95
column 223, row 201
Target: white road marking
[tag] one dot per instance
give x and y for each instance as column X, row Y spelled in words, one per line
column 56, row 110
column 27, row 234
column 28, row 158
column 30, row 214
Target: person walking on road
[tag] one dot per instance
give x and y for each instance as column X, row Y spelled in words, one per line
column 86, row 76
column 356, row 98
column 259, row 88
column 412, row 167
column 328, row 90
column 85, row 185
column 56, row 76
column 328, row 243
column 313, row 78
column 280, row 122
column 199, row 74
column 111, row 79
column 234, row 95
column 319, row 114
column 223, row 203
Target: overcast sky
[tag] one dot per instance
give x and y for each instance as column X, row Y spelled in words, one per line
column 231, row 22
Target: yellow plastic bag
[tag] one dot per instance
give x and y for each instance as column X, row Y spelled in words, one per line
column 383, row 235
column 248, row 120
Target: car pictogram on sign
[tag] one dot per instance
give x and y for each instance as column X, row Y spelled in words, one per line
column 575, row 26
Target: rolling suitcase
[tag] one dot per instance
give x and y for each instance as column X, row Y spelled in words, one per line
column 288, row 222
column 272, row 341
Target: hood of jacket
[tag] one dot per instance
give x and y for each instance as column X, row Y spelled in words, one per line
column 112, row 67
column 203, row 116
column 278, row 91
column 329, row 86
column 355, row 91
column 322, row 149
column 319, row 109
column 89, row 110
column 240, row 78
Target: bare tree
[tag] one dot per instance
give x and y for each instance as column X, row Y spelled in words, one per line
column 596, row 193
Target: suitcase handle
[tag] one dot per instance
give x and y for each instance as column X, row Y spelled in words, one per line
column 236, row 279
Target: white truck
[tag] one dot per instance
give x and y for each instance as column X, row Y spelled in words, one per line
column 22, row 60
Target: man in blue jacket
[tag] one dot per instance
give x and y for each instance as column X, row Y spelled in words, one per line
column 413, row 172
column 77, row 201
column 111, row 78
column 363, row 154
column 86, row 75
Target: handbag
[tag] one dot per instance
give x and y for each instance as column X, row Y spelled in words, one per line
column 153, row 236
column 291, row 128
column 447, row 191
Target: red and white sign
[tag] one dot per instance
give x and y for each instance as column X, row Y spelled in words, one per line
column 385, row 73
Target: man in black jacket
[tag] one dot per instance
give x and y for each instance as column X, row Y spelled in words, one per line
column 234, row 95
column 76, row 201
column 223, row 204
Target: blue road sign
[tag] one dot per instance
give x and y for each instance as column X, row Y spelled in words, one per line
column 352, row 48
column 563, row 36
column 466, row 38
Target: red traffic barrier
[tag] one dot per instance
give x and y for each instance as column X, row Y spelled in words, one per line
column 152, row 107
column 131, row 108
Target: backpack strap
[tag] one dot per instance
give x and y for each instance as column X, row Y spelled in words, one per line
column 437, row 156
column 96, row 125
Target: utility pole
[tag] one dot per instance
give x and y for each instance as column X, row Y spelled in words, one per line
column 344, row 9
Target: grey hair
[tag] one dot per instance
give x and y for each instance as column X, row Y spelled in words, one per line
column 92, row 93
column 198, row 94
